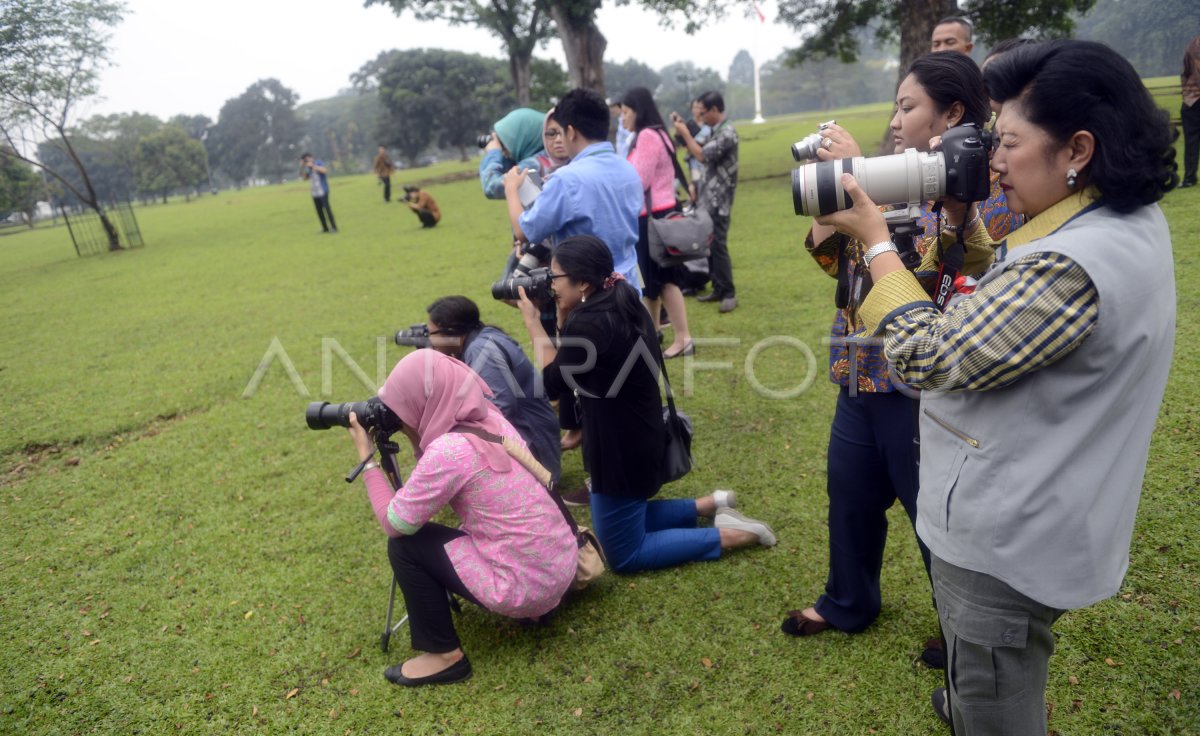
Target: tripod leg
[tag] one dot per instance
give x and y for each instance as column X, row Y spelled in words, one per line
column 388, row 629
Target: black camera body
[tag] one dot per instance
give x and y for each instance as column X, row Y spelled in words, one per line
column 536, row 282
column 373, row 415
column 483, row 140
column 965, row 151
column 416, row 336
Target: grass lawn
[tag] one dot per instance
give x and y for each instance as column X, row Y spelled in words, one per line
column 178, row 553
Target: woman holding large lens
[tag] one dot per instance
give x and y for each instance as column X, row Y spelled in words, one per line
column 1041, row 388
column 514, row 553
column 607, row 356
column 653, row 155
column 872, row 457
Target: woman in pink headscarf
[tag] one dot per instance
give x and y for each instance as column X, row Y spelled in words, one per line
column 514, row 553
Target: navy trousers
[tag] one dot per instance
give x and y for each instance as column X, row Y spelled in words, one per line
column 872, row 464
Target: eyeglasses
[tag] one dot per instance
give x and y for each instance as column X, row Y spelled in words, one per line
column 553, row 134
column 557, row 276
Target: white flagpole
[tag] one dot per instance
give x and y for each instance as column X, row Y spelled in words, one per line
column 758, row 116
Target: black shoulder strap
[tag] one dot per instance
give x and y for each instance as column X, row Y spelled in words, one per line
column 674, row 161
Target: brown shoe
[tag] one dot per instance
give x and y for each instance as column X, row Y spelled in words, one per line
column 581, row 496
column 797, row 624
column 934, row 656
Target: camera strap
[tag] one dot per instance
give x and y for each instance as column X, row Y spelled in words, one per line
column 951, row 260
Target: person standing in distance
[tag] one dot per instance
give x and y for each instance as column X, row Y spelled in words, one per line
column 720, row 158
column 383, row 168
column 952, row 34
column 1189, row 112
column 314, row 171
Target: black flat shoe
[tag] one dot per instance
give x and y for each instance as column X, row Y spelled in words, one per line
column 688, row 349
column 797, row 624
column 457, row 672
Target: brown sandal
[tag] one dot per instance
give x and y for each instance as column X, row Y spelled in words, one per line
column 797, row 624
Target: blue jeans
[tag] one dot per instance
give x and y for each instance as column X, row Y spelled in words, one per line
column 649, row 535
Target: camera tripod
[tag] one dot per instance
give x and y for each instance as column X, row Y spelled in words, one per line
column 387, row 450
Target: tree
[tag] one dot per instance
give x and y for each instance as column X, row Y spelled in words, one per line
column 584, row 44
column 681, row 83
column 196, row 126
column 169, row 159
column 19, row 186
column 523, row 26
column 257, row 133
column 829, row 25
column 1152, row 34
column 741, row 70
column 620, row 78
column 433, row 95
column 116, row 139
column 343, row 128
column 51, row 53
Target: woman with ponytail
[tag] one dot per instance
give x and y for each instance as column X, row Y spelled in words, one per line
column 607, row 355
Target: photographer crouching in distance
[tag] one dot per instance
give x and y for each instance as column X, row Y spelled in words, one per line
column 454, row 328
column 608, row 357
column 423, row 205
column 872, row 457
column 1041, row 388
column 514, row 554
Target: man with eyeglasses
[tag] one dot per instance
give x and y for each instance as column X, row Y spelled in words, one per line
column 598, row 194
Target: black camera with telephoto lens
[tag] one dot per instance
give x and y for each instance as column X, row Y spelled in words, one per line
column 416, row 336
column 373, row 415
column 536, row 282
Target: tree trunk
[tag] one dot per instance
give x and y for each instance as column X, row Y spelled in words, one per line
column 518, row 65
column 582, row 41
column 114, row 238
column 917, row 21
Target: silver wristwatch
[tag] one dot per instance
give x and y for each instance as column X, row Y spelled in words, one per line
column 886, row 246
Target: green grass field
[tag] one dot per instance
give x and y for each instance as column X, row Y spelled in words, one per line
column 180, row 554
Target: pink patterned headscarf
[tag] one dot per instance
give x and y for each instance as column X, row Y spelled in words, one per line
column 434, row 393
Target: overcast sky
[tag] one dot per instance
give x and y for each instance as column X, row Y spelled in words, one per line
column 172, row 57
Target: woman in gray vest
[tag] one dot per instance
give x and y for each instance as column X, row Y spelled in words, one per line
column 1040, row 389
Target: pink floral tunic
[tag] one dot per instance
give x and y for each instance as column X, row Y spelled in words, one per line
column 518, row 556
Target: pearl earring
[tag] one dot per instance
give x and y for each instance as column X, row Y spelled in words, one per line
column 1071, row 176
column 583, row 297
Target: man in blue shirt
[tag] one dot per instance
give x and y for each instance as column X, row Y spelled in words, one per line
column 314, row 172
column 598, row 194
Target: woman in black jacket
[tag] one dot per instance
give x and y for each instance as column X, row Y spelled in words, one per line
column 607, row 356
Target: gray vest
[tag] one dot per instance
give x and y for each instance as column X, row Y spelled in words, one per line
column 1037, row 483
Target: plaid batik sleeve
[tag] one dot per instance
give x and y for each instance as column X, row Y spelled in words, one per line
column 1024, row 320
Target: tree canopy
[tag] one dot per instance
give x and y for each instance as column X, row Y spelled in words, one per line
column 257, row 133
column 829, row 26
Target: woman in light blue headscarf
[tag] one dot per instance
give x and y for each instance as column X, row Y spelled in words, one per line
column 516, row 141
